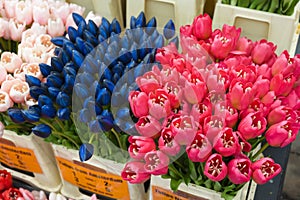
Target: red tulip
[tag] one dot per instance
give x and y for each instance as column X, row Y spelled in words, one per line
column 221, row 46
column 239, row 170
column 12, row 194
column 159, row 104
column 241, row 94
column 280, row 114
column 138, row 103
column 134, row 172
column 139, row 146
column 195, row 89
column 226, row 142
column 252, row 126
column 156, row 163
column 264, row 170
column 262, row 51
column 5, row 180
column 283, row 64
column 244, row 45
column 215, row 168
column 282, row 85
column 148, row 126
column 149, row 82
column 202, row 27
column 230, row 113
column 167, row 144
column 175, row 93
column 200, row 149
column 244, row 145
column 186, row 30
column 201, row 110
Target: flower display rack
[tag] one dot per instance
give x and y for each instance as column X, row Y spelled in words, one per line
column 256, row 25
column 29, row 159
column 98, row 175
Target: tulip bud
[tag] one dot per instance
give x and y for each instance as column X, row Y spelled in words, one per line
column 86, row 151
column 42, row 130
column 16, row 115
column 202, row 27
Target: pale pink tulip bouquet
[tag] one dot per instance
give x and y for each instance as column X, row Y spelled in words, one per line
column 49, row 16
column 204, row 116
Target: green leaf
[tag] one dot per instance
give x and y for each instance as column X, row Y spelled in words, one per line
column 229, row 188
column 193, row 173
column 187, row 179
column 173, row 175
column 217, row 186
column 166, row 176
column 208, row 183
column 124, row 141
column 175, row 184
column 227, row 196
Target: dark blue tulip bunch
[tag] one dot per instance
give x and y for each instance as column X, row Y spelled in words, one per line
column 108, row 74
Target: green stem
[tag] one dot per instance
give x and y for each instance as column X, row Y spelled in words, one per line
column 9, row 45
column 117, row 136
column 67, row 137
column 173, row 169
column 12, row 126
column 49, row 124
column 92, row 138
column 266, row 145
column 179, row 164
column 60, row 124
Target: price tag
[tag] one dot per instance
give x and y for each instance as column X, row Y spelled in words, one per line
column 159, row 193
column 93, row 180
column 20, row 158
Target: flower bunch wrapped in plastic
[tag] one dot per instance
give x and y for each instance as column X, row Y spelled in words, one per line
column 206, row 115
column 53, row 17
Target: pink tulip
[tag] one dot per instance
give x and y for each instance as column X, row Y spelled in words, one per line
column 4, row 30
column 41, row 12
column 228, row 112
column 264, row 170
column 95, row 18
column 255, row 106
column 24, row 12
column 261, row 87
column 186, row 30
column 292, row 99
column 148, row 126
column 61, row 10
column 56, row 27
column 244, row 45
column 156, row 163
column 175, row 93
column 243, row 73
column 75, row 8
column 167, row 144
column 43, row 41
column 283, row 64
column 280, row 114
column 262, row 51
column 239, row 170
column 226, row 142
column 244, row 145
column 27, row 195
column 19, row 73
column 138, row 103
column 149, row 82
column 134, row 172
column 70, row 22
column 200, row 149
column 221, row 46
column 3, row 74
column 29, row 101
column 2, row 127
column 241, row 94
column 215, row 168
column 212, row 125
column 195, row 89
column 10, row 8
column 169, row 74
column 36, row 55
column 269, row 98
column 19, row 91
column 282, row 85
column 28, row 38
column 282, row 134
column 165, row 54
column 185, row 129
column 202, row 27
column 38, row 28
column 139, row 146
column 5, row 101
column 159, row 104
column 33, row 69
column 10, row 61
column 252, row 126
column 201, row 110
column 16, row 30
column 231, row 32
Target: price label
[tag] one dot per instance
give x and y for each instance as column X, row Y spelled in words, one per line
column 159, row 193
column 94, row 180
column 20, row 158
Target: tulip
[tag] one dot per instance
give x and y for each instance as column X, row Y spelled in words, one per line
column 41, row 12
column 175, row 94
column 243, row 146
column 28, row 195
column 282, row 134
column 3, row 74
column 226, row 142
column 167, row 144
column 16, row 30
column 56, row 27
column 4, row 30
column 212, row 125
column 283, row 64
column 12, row 193
column 134, row 172
column 244, row 45
column 264, row 170
column 202, row 110
column 19, row 91
column 200, row 149
column 221, row 46
column 42, row 130
column 215, row 168
column 43, row 41
column 186, row 30
column 24, row 12
column 5, row 180
column 33, row 114
column 139, row 146
column 86, row 151
column 185, row 129
column 63, row 99
column 5, row 101
column 159, row 104
column 148, row 126
column 10, row 61
column 282, row 85
column 230, row 113
column 95, row 18
column 148, row 82
column 252, row 126
column 195, row 89
column 138, row 103
column 16, row 115
column 63, row 113
column 156, row 163
column 62, row 11
column 262, row 51
column 10, row 8
column 239, row 170
column 241, row 94
column 280, row 114
column 169, row 30
column 202, row 27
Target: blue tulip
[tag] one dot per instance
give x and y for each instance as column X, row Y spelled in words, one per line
column 72, row 65
column 79, row 44
column 109, row 85
column 115, row 38
column 53, row 92
column 69, row 81
column 159, row 42
column 104, row 96
column 93, row 108
column 140, row 20
column 115, row 78
column 169, row 30
column 87, row 48
column 16, row 115
column 77, row 58
column 134, row 52
column 48, row 111
column 151, row 26
column 89, row 37
column 64, row 56
column 42, row 130
column 118, row 69
column 175, row 40
column 81, row 27
column 44, row 100
column 78, row 18
column 63, row 113
column 94, row 126
column 86, row 151
column 104, row 32
column 84, row 115
column 69, row 70
column 130, row 65
column 94, row 86
column 139, row 70
column 105, row 123
column 81, row 91
column 57, row 51
column 107, row 114
column 129, row 34
column 57, row 64
column 45, row 69
column 124, row 55
column 115, row 26
column 72, row 32
column 91, row 66
column 63, row 99
column 54, row 81
column 32, row 115
column 92, row 27
column 123, row 113
column 132, row 22
column 36, row 91
column 109, row 59
column 69, row 48
column 101, row 38
column 32, row 81
column 104, row 24
column 137, row 34
column 105, row 73
column 85, row 78
column 59, row 41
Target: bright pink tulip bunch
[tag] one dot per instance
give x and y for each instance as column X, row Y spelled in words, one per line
column 215, row 116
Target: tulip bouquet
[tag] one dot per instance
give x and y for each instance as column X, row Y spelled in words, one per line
column 206, row 114
column 53, row 17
